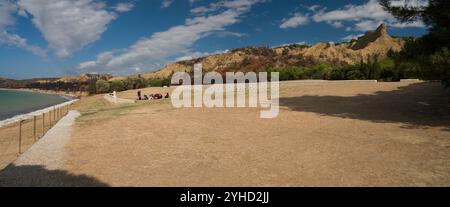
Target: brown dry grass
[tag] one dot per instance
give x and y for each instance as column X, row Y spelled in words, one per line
column 385, row 134
column 9, row 137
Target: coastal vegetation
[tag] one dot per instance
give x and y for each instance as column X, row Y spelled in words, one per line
column 103, row 86
column 428, row 55
column 375, row 68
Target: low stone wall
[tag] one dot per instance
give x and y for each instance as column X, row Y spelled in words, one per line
column 409, row 80
column 115, row 100
column 327, row 81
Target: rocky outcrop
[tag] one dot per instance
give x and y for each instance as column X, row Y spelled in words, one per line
column 377, row 42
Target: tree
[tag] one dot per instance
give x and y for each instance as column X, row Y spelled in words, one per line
column 117, row 85
column 423, row 51
column 92, row 88
column 102, row 86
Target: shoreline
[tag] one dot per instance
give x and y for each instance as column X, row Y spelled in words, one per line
column 72, row 95
column 27, row 115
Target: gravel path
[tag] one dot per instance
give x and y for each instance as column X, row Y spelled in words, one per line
column 49, row 150
column 43, row 163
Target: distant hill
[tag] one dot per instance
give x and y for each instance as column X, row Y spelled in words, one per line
column 257, row 58
column 67, row 83
column 84, row 78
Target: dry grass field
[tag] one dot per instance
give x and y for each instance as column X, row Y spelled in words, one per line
column 9, row 137
column 333, row 134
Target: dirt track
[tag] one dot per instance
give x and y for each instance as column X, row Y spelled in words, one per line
column 353, row 134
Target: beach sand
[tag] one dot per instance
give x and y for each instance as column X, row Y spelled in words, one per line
column 340, row 134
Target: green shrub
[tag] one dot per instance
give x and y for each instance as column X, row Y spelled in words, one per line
column 440, row 61
column 117, row 85
column 155, row 83
column 166, row 82
column 92, row 88
column 102, row 86
column 354, row 75
column 336, row 74
column 135, row 83
column 319, row 71
column 159, row 82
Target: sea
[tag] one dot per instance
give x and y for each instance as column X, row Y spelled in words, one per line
column 15, row 102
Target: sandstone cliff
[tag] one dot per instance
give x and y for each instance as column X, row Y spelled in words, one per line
column 377, row 42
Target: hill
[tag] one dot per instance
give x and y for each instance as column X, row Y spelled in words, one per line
column 377, row 42
column 86, row 77
column 255, row 59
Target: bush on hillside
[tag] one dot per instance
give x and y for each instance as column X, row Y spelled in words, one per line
column 117, row 85
column 102, row 86
column 92, row 88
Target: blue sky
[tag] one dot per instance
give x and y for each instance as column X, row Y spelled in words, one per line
column 49, row 38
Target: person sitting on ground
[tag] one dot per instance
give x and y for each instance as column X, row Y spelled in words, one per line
column 145, row 97
column 158, row 96
column 167, row 95
column 151, row 96
column 154, row 96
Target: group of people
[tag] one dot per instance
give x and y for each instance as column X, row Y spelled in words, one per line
column 151, row 96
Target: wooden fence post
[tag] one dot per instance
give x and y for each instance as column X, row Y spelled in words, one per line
column 20, row 136
column 34, row 128
column 43, row 124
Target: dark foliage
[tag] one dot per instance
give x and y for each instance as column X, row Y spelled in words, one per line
column 427, row 57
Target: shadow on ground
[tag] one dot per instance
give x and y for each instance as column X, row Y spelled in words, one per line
column 38, row 176
column 418, row 105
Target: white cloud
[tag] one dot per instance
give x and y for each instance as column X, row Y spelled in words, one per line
column 6, row 13
column 68, row 25
column 288, row 44
column 22, row 13
column 367, row 25
column 17, row 41
column 161, row 47
column 336, row 24
column 191, row 2
column 199, row 54
column 363, row 17
column 295, row 21
column 314, row 7
column 7, row 19
column 418, row 24
column 409, row 3
column 124, row 7
column 351, row 37
column 166, row 3
column 369, row 10
column 240, row 5
column 230, row 34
